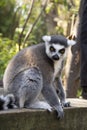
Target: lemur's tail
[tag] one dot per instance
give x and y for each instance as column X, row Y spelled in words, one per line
column 7, row 102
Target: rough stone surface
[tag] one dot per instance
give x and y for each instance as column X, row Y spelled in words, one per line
column 75, row 118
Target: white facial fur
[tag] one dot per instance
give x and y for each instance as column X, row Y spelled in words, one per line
column 57, row 48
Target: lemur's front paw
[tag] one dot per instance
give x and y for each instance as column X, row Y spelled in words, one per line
column 66, row 104
column 60, row 112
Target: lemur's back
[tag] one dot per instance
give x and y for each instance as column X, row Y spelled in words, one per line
column 33, row 56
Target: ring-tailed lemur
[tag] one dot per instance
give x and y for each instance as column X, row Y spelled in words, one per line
column 33, row 71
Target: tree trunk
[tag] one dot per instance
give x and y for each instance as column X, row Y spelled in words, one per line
column 72, row 69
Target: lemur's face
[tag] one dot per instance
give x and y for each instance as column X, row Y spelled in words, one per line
column 56, row 46
column 55, row 51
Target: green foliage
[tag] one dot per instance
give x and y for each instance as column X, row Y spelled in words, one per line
column 7, row 50
column 38, row 32
column 79, row 93
column 62, row 12
column 40, row 27
column 6, row 17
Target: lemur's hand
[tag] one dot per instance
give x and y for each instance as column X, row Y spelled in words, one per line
column 60, row 112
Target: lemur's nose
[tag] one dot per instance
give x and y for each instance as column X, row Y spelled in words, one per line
column 55, row 57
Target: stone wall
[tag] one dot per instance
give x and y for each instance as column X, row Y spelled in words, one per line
column 75, row 118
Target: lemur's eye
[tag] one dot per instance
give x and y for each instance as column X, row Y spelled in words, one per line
column 52, row 49
column 62, row 51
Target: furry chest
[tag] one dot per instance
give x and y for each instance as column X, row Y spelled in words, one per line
column 57, row 67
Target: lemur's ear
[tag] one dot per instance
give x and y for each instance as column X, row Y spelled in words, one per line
column 46, row 38
column 71, row 42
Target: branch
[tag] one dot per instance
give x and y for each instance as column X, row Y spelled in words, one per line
column 33, row 25
column 72, row 2
column 29, row 14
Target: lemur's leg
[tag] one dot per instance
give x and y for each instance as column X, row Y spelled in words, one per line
column 51, row 97
column 30, row 88
column 62, row 94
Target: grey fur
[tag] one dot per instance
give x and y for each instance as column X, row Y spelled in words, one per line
column 32, row 72
column 58, row 38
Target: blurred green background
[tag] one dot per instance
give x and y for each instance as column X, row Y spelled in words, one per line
column 24, row 22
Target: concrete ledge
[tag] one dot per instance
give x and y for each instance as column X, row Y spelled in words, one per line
column 24, row 119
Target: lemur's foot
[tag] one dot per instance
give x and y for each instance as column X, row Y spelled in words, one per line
column 66, row 104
